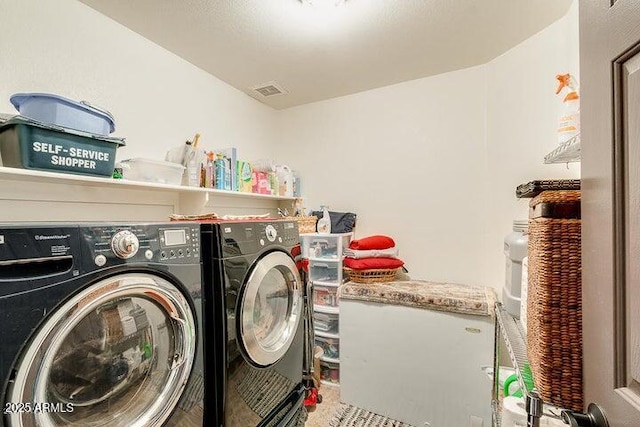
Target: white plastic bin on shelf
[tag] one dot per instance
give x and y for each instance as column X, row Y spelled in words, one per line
column 330, row 346
column 325, row 295
column 325, row 272
column 329, row 372
column 149, row 170
column 325, row 323
column 324, row 246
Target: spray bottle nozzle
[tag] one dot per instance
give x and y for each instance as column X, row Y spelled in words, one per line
column 564, row 80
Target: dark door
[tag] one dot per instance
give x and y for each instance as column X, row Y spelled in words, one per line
column 610, row 110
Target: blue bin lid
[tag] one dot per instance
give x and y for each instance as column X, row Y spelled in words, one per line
column 18, row 99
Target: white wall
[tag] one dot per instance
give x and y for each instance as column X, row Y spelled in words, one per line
column 434, row 162
column 522, row 113
column 158, row 99
column 409, row 159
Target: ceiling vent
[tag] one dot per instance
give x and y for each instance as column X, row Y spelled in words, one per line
column 267, row 89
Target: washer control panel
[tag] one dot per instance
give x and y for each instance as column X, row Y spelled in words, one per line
column 163, row 243
column 177, row 243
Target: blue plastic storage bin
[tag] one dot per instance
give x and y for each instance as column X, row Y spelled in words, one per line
column 60, row 111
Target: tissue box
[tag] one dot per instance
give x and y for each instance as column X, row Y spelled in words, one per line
column 245, row 175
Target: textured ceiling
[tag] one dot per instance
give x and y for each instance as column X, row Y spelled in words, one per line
column 322, row 51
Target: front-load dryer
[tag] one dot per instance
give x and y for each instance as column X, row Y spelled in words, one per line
column 254, row 284
column 101, row 325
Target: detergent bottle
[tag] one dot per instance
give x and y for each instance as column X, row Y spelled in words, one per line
column 569, row 122
column 324, row 223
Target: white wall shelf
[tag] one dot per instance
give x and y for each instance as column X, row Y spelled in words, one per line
column 567, row 152
column 30, row 195
column 29, row 175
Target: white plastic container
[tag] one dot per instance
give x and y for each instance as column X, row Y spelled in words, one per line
column 324, row 246
column 515, row 250
column 285, row 180
column 324, row 223
column 330, row 372
column 569, row 120
column 326, row 322
column 330, row 347
column 325, row 295
column 149, row 170
column 326, row 272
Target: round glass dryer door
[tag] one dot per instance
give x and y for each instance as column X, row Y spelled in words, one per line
column 270, row 309
column 119, row 353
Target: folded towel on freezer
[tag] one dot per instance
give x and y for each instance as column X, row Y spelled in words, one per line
column 372, row 263
column 372, row 242
column 371, row 253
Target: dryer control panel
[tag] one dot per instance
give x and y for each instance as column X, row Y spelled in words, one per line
column 243, row 238
column 162, row 243
column 282, row 232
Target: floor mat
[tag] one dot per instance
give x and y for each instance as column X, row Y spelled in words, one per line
column 351, row 416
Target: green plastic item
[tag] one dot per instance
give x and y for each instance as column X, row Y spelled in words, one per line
column 527, row 377
column 147, row 350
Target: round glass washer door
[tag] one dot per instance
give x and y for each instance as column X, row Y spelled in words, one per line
column 270, row 309
column 119, row 353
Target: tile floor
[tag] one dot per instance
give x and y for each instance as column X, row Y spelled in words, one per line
column 324, row 411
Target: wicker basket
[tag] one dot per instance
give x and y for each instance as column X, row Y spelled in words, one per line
column 554, row 304
column 378, row 275
column 306, row 224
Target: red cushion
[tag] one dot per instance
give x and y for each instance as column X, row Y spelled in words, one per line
column 372, row 242
column 372, row 263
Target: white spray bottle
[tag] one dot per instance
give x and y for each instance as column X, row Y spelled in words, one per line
column 324, row 223
column 569, row 121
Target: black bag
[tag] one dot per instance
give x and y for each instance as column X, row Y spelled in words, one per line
column 341, row 222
